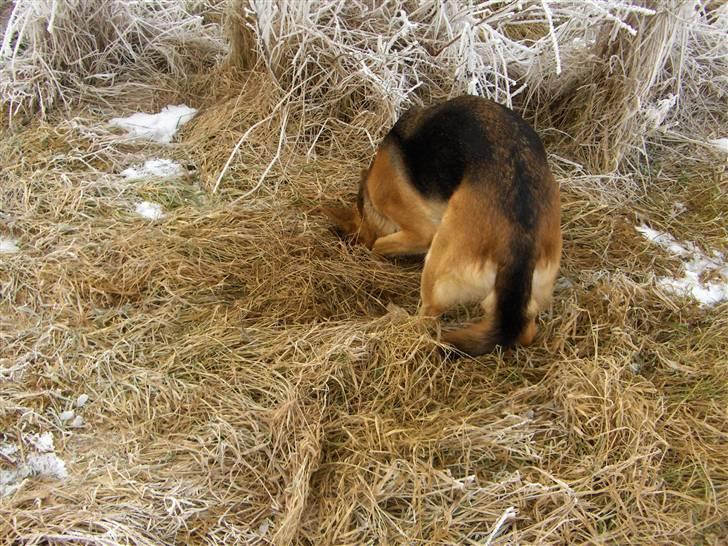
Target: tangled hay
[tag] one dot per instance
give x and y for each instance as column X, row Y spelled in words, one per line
column 71, row 50
column 234, row 373
column 252, row 379
column 605, row 76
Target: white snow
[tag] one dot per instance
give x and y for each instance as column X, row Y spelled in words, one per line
column 8, row 245
column 720, row 144
column 152, row 211
column 161, row 168
column 263, row 528
column 710, row 293
column 160, row 127
column 81, row 401
column 7, row 450
column 40, row 461
column 42, row 442
column 77, row 422
column 66, row 415
column 45, row 465
column 678, row 208
column 466, row 481
column 665, row 240
column 696, row 265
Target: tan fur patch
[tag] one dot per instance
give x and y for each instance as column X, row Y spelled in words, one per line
column 378, row 222
column 463, row 285
column 542, row 286
column 392, row 206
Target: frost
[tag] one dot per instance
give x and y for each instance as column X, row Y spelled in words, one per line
column 41, row 462
column 263, row 529
column 656, row 114
column 583, row 42
column 77, row 422
column 160, row 127
column 720, row 144
column 696, row 267
column 8, row 245
column 8, row 450
column 42, row 442
column 152, row 211
column 665, row 240
column 161, row 168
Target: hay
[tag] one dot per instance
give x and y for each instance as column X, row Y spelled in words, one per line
column 66, row 51
column 253, row 379
column 604, row 77
column 249, row 379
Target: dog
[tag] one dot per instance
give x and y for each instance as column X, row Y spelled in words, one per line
column 467, row 183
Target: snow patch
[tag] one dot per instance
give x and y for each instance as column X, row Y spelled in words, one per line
column 160, row 127
column 42, row 442
column 696, row 266
column 81, row 401
column 8, row 245
column 665, row 240
column 160, row 168
column 151, row 211
column 678, row 208
column 720, row 144
column 42, row 462
column 8, row 450
column 263, row 528
column 77, row 422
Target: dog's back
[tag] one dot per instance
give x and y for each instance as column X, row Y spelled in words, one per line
column 466, row 140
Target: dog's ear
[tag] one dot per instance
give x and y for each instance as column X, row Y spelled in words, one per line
column 346, row 220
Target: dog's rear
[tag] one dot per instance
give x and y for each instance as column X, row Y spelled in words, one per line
column 468, row 182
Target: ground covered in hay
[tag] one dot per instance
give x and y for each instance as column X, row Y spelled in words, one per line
column 188, row 366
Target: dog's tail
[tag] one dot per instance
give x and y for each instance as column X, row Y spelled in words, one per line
column 513, row 292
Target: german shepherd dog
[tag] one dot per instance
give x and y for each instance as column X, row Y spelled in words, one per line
column 468, row 183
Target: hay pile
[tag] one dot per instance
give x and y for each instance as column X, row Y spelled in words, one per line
column 234, row 373
column 73, row 50
column 603, row 77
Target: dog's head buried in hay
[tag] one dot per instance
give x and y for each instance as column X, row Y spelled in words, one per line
column 467, row 183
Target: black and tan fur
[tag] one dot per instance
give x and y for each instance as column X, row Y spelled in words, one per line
column 467, row 182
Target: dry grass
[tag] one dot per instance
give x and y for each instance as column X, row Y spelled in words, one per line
column 57, row 53
column 252, row 379
column 601, row 78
